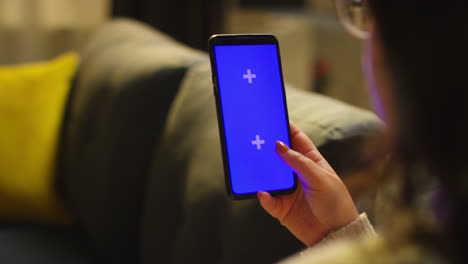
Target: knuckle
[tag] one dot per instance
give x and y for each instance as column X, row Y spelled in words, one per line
column 315, row 156
column 299, row 160
column 294, row 156
column 303, row 159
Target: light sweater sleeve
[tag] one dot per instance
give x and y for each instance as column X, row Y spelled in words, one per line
column 359, row 228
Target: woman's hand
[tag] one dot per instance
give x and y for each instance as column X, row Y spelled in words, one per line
column 320, row 204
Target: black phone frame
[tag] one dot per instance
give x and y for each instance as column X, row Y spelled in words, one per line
column 243, row 39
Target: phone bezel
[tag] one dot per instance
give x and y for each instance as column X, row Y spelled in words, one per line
column 243, row 39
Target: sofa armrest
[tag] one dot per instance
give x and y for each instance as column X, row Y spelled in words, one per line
column 125, row 85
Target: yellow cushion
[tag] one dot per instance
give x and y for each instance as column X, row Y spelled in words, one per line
column 32, row 102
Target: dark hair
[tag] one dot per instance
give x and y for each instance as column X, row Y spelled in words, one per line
column 426, row 47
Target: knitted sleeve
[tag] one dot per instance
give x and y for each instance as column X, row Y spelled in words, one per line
column 359, row 228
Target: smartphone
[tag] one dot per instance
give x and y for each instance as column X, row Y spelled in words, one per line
column 252, row 114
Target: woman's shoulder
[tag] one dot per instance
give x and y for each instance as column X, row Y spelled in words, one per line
column 373, row 249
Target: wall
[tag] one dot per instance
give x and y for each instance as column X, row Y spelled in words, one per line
column 305, row 37
column 295, row 35
column 32, row 30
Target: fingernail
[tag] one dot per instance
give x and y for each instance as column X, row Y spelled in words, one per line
column 281, row 147
column 263, row 195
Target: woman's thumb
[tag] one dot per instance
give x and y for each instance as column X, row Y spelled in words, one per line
column 269, row 203
column 309, row 171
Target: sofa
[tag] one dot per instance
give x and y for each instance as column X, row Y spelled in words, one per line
column 140, row 167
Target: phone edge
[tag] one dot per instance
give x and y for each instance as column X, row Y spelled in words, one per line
column 214, row 78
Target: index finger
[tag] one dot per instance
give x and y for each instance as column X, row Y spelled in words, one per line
column 304, row 145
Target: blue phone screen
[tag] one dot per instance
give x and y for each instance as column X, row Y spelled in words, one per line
column 250, row 88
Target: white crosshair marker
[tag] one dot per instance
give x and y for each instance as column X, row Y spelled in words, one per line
column 250, row 76
column 259, row 142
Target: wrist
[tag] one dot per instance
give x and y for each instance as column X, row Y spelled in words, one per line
column 325, row 230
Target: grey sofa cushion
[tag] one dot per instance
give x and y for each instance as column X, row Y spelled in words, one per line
column 126, row 82
column 22, row 244
column 189, row 217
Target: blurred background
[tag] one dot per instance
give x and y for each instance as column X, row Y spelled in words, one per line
column 317, row 53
